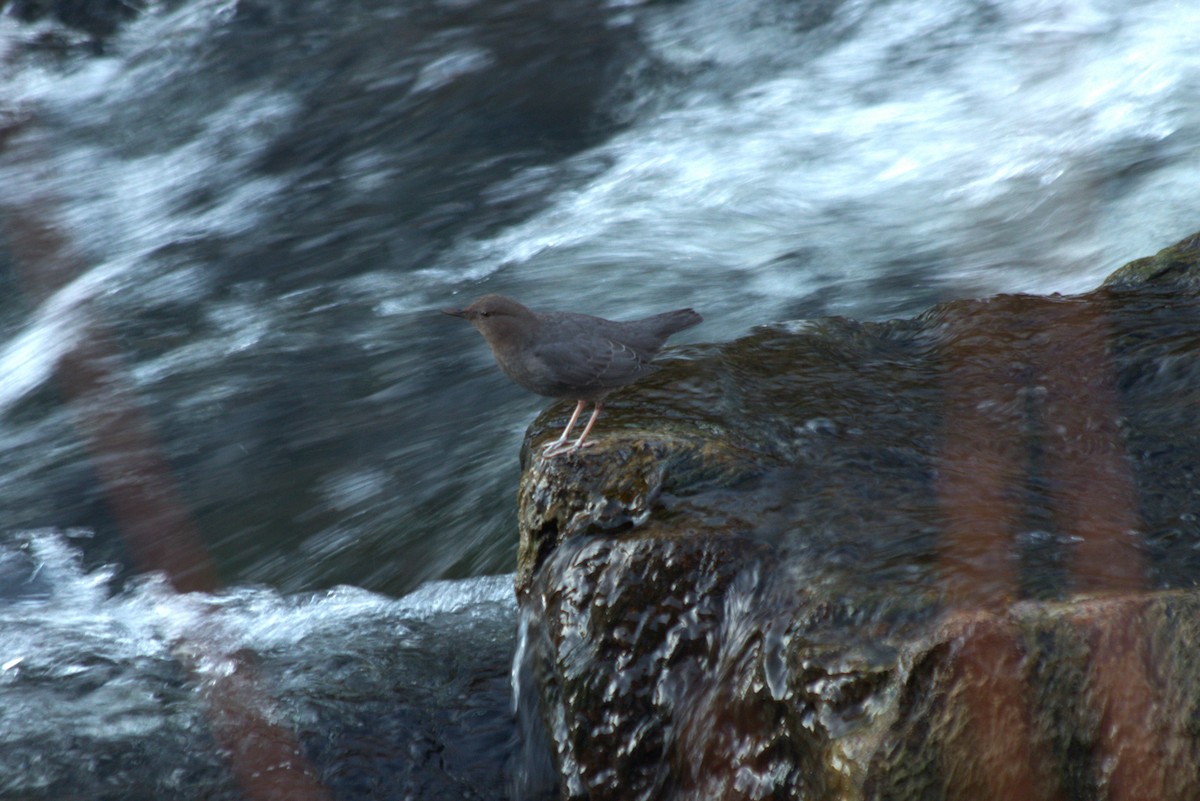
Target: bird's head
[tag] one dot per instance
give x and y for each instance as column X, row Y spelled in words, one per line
column 501, row 320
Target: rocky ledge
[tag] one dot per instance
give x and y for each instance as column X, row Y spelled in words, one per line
column 944, row 557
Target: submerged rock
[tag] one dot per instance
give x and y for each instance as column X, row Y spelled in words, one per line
column 946, row 557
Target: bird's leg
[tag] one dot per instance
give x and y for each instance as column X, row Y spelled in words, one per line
column 553, row 447
column 591, row 422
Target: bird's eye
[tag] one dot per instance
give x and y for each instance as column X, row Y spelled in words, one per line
column 485, row 314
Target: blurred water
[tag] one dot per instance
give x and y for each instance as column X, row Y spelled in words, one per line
column 892, row 155
column 130, row 694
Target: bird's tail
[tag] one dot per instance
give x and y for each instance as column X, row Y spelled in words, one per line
column 673, row 322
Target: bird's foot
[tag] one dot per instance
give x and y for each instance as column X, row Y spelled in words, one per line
column 555, row 448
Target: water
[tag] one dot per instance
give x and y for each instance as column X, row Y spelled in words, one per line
column 245, row 215
column 148, row 693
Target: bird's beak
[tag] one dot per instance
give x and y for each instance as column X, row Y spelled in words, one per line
column 455, row 312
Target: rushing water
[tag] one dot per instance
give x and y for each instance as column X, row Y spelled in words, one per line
column 246, row 214
column 149, row 693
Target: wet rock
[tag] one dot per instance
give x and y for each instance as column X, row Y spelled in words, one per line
column 1179, row 263
column 947, row 557
column 1100, row 694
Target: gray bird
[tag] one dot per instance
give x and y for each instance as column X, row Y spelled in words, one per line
column 572, row 356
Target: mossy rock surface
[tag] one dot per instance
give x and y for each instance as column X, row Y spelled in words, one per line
column 1176, row 266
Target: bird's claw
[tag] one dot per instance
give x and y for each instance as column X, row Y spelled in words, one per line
column 555, row 448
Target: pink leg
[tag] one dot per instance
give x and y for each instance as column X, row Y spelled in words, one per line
column 554, row 446
column 591, row 422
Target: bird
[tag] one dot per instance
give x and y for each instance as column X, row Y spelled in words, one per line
column 570, row 355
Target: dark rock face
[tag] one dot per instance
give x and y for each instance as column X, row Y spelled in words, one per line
column 929, row 558
column 1108, row 692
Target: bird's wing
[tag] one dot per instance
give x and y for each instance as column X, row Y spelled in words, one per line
column 592, row 363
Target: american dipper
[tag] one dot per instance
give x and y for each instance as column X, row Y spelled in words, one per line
column 568, row 355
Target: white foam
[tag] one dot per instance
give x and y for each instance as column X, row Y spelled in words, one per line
column 29, row 359
column 80, row 613
column 990, row 151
